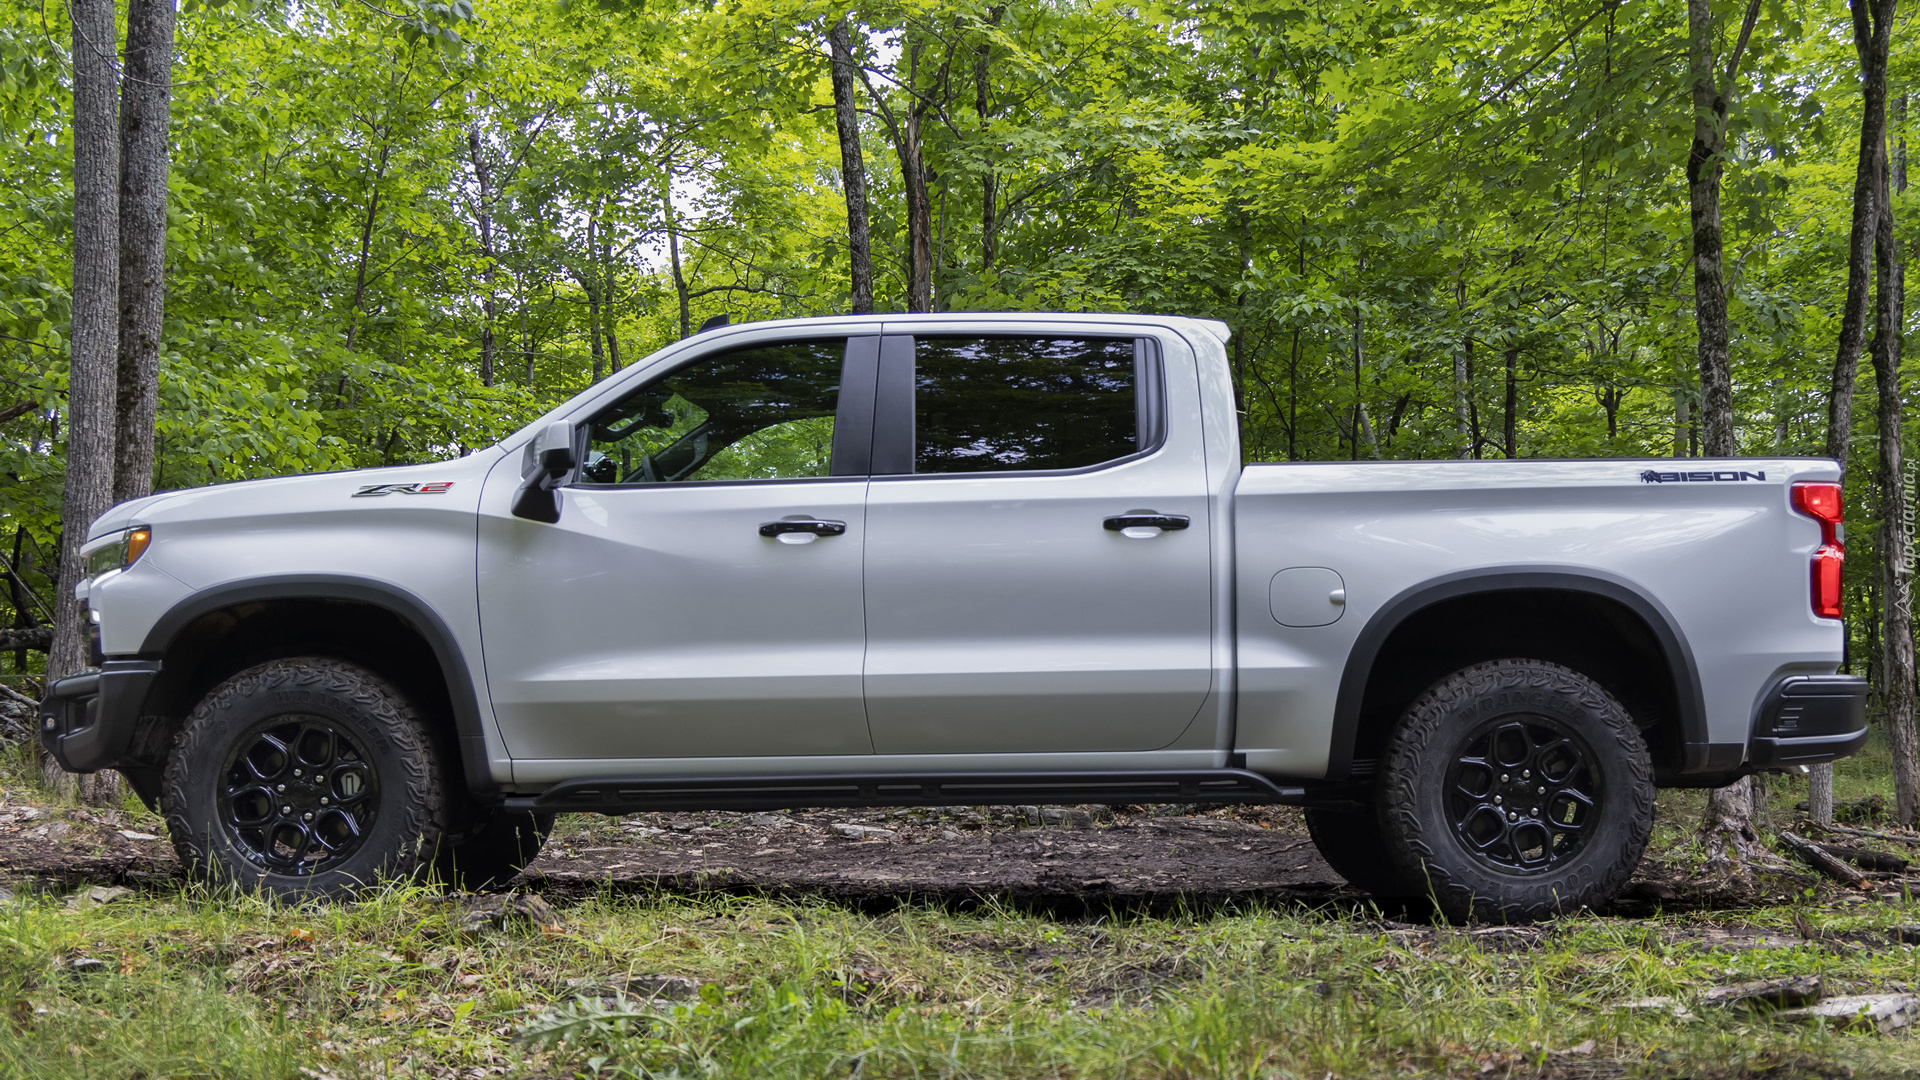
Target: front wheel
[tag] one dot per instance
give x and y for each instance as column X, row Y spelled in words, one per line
column 1516, row 790
column 305, row 777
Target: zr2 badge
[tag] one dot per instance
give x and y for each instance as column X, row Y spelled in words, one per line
column 438, row 487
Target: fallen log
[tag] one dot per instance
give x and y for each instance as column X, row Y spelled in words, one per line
column 1862, row 1012
column 1815, row 856
column 1790, row 992
column 1867, row 859
column 1868, row 833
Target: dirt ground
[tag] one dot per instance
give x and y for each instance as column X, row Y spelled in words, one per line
column 1068, row 860
column 1088, row 854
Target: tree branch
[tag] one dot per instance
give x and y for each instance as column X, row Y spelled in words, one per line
column 1740, row 46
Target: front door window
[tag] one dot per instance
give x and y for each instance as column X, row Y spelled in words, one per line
column 764, row 413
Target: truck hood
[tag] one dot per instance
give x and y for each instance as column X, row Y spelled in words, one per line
column 310, row 493
column 121, row 515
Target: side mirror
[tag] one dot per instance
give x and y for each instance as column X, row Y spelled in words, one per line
column 553, row 451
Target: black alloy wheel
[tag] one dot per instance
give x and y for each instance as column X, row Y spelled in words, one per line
column 306, row 777
column 1522, row 795
column 300, row 796
column 1515, row 790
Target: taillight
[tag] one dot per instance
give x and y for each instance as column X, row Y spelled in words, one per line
column 1820, row 500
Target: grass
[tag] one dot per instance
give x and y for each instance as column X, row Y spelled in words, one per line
column 181, row 983
column 197, row 986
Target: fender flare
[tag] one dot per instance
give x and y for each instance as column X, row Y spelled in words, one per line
column 1666, row 633
column 412, row 611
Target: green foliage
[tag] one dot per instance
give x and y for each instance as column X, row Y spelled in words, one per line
column 1457, row 229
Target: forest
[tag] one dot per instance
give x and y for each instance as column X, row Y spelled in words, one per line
column 394, row 232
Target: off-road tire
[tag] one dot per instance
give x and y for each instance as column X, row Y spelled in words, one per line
column 368, row 729
column 1354, row 846
column 1446, row 740
column 495, row 847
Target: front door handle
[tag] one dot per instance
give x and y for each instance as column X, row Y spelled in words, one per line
column 1145, row 519
column 808, row 526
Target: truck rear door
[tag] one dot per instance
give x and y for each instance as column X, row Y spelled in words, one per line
column 1038, row 575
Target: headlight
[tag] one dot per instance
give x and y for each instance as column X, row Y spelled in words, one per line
column 122, row 552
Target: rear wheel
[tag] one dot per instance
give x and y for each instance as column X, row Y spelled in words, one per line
column 1516, row 790
column 306, row 777
column 1354, row 846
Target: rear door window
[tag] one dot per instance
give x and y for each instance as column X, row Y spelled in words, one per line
column 1025, row 403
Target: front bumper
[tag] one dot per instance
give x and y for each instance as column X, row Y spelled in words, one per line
column 1808, row 719
column 87, row 721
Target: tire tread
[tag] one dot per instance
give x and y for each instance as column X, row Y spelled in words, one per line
column 422, row 807
column 1412, row 750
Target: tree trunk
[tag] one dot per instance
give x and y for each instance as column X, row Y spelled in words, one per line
column 96, row 291
column 910, row 148
column 483, row 180
column 17, row 588
column 144, row 110
column 1510, row 429
column 673, row 256
column 1293, row 360
column 1728, row 827
column 990, row 178
column 1872, row 30
column 1872, row 35
column 366, row 245
column 609, row 316
column 526, row 341
column 1462, row 388
column 1353, row 441
column 1703, row 198
column 1293, row 398
column 1463, row 428
column 96, row 273
column 1896, row 567
column 1474, row 442
column 589, row 281
column 913, row 174
column 853, row 172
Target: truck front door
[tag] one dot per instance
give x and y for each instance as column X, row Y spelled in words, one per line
column 1038, row 576
column 700, row 595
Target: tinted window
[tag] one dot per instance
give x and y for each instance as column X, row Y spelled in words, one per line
column 1007, row 403
column 756, row 414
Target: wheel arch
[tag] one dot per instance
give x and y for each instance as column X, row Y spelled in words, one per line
column 1629, row 627
column 402, row 638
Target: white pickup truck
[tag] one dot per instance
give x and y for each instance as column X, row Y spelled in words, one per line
column 957, row 559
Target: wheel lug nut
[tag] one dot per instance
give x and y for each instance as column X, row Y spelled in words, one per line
column 286, row 810
column 279, row 787
column 1542, row 789
column 323, row 800
column 1496, row 800
column 1511, row 816
column 306, row 817
column 1535, row 811
column 1524, row 773
column 1503, row 778
column 296, row 772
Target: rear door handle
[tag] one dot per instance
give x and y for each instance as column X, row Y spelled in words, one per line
column 813, row 526
column 1144, row 519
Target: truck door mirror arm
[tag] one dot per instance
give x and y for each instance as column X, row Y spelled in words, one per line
column 553, row 451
